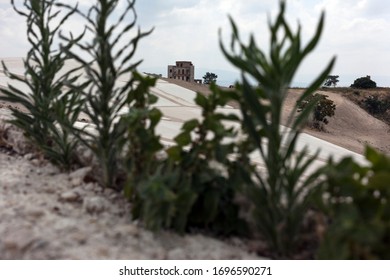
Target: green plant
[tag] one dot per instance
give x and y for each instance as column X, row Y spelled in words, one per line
column 280, row 194
column 364, row 82
column 51, row 107
column 140, row 123
column 376, row 106
column 356, row 200
column 163, row 199
column 114, row 82
column 323, row 109
column 203, row 152
column 192, row 187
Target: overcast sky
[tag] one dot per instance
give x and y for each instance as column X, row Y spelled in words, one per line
column 356, row 31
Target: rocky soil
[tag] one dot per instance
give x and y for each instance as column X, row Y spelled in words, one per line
column 48, row 214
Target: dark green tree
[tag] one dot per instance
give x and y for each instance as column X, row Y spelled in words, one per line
column 209, row 78
column 331, row 80
column 364, row 82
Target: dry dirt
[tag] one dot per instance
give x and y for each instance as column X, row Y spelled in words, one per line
column 351, row 127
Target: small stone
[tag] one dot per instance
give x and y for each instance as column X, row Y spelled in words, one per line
column 28, row 156
column 78, row 237
column 127, row 229
column 77, row 177
column 70, row 196
column 48, row 189
column 35, row 162
column 89, row 187
column 108, row 191
column 98, row 189
column 18, row 239
column 35, row 213
column 95, row 205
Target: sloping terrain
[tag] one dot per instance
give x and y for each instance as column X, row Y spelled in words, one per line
column 351, row 127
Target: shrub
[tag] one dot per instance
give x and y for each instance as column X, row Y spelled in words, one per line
column 280, row 194
column 323, row 109
column 364, row 82
column 356, row 199
column 376, row 106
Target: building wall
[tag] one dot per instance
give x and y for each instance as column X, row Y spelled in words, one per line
column 183, row 70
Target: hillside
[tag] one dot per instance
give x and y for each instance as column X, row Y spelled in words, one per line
column 351, row 127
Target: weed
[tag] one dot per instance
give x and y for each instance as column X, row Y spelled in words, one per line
column 356, row 200
column 111, row 51
column 51, row 107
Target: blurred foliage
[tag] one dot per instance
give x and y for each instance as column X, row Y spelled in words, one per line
column 191, row 188
column 356, row 200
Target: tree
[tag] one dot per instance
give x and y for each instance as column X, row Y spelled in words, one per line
column 323, row 109
column 209, row 78
column 364, row 82
column 331, row 80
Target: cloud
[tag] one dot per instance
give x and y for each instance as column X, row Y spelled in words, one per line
column 358, row 33
column 12, row 33
column 190, row 31
column 355, row 30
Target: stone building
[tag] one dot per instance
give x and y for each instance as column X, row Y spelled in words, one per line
column 183, row 70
